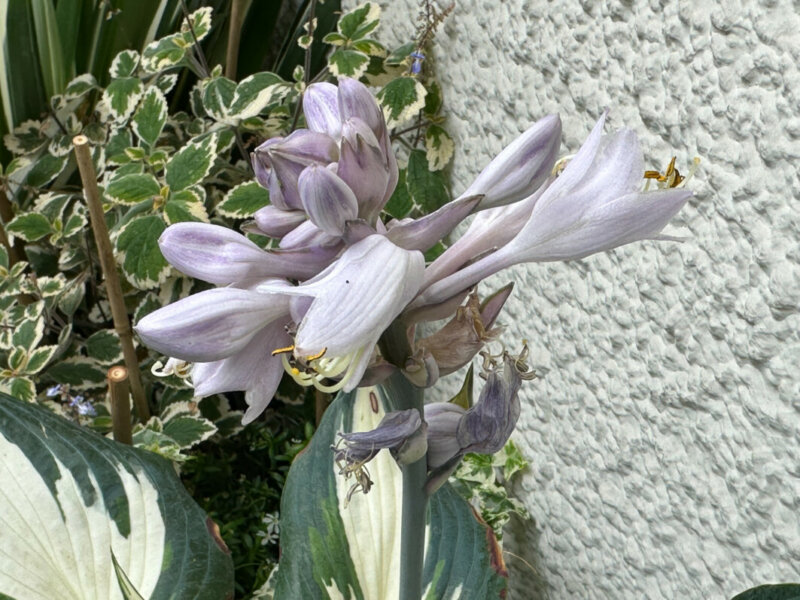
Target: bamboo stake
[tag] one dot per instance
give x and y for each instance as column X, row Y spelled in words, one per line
column 234, row 37
column 118, row 312
column 119, row 388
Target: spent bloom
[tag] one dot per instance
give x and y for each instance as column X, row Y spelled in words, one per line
column 335, row 300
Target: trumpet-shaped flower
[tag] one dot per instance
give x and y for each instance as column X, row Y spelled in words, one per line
column 595, row 204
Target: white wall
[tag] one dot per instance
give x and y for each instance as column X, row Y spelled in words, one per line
column 664, row 434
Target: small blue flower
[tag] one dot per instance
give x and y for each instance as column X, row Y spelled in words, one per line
column 87, row 410
column 53, row 391
column 416, row 66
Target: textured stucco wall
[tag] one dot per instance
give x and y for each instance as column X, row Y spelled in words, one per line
column 664, row 435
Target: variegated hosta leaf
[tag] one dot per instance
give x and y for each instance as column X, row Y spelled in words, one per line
column 243, row 200
column 329, row 550
column 69, row 498
column 402, row 99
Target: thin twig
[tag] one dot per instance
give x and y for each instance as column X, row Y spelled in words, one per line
column 119, row 390
column 396, row 134
column 200, row 55
column 307, row 63
column 15, row 249
column 113, row 288
column 234, row 37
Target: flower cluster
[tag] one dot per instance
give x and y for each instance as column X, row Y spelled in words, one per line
column 340, row 278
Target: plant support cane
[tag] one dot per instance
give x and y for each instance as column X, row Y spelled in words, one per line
column 119, row 390
column 120, row 315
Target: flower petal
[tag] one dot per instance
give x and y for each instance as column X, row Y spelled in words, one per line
column 210, row 325
column 275, row 222
column 521, row 167
column 321, row 109
column 355, row 100
column 363, row 167
column 358, row 297
column 327, row 200
column 423, row 233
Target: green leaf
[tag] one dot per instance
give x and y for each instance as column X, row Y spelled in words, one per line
column 52, row 61
column 255, row 93
column 124, row 64
column 370, row 47
column 75, row 221
column 98, row 497
column 24, row 389
column 150, row 117
column 433, row 99
column 402, row 99
column 326, row 550
column 142, row 262
column 427, row 188
column 30, row 227
column 132, row 189
column 121, row 97
column 80, row 86
column 217, row 97
column 104, row 347
column 400, row 204
column 189, row 430
column 243, row 200
column 79, row 372
column 348, row 63
column 781, row 591
column 3, row 259
column 191, row 164
column 201, row 23
column 186, row 205
column 164, row 54
column 72, row 298
column 359, row 22
column 26, row 138
column 439, row 147
column 28, row 333
column 39, row 358
column 46, row 168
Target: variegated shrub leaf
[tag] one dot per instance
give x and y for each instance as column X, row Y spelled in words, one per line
column 78, row 372
column 29, row 226
column 191, row 164
column 124, row 64
column 334, row 549
column 348, row 63
column 243, row 200
column 132, row 188
column 360, row 22
column 142, row 262
column 163, row 54
column 439, row 147
column 254, row 93
column 186, row 205
column 121, row 97
column 151, row 115
column 104, row 347
column 402, row 99
column 69, row 498
column 217, row 97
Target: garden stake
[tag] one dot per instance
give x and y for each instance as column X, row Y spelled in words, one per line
column 120, row 315
column 234, row 37
column 119, row 389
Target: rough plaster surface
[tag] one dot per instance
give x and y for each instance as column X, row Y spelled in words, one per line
column 664, row 435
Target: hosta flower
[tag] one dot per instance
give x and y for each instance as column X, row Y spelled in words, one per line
column 595, row 204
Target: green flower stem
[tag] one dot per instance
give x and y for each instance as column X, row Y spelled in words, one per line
column 412, row 543
column 415, row 509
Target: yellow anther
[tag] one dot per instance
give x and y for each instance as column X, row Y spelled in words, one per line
column 315, row 356
column 670, row 178
column 295, row 371
column 283, row 350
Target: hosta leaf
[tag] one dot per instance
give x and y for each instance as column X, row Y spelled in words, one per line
column 359, row 22
column 142, row 262
column 402, row 99
column 256, row 92
column 185, row 205
column 329, row 550
column 95, row 497
column 79, row 372
column 243, row 200
column 780, row 591
column 439, row 147
column 427, row 188
column 124, row 64
column 348, row 63
column 30, row 227
column 151, row 116
column 104, row 347
column 129, row 591
column 191, row 163
column 121, row 97
column 132, row 189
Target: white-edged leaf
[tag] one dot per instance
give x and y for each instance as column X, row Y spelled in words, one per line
column 69, row 498
column 22, row 388
column 256, row 92
column 243, row 200
column 26, row 137
column 121, row 97
column 79, row 372
column 132, row 189
column 191, row 164
column 165, row 53
column 104, row 347
column 80, row 86
column 124, row 64
column 142, row 262
column 28, row 333
column 360, row 21
column 38, row 359
column 217, row 97
column 201, row 23
column 402, row 99
column 129, row 591
column 439, row 147
column 348, row 63
column 186, row 205
column 30, row 227
column 151, row 115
